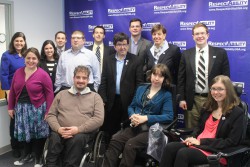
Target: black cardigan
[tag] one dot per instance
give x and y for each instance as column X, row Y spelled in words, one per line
column 229, row 131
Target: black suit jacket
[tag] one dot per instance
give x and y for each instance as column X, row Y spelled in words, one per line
column 132, row 76
column 229, row 131
column 218, row 65
column 171, row 57
column 107, row 51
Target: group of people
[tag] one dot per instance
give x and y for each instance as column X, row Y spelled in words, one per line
column 99, row 88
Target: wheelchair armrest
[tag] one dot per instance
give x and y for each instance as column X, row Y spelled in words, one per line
column 184, row 131
column 235, row 150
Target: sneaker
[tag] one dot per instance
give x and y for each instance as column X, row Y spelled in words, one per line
column 26, row 159
column 38, row 162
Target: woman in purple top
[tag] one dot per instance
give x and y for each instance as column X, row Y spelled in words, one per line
column 11, row 60
column 31, row 95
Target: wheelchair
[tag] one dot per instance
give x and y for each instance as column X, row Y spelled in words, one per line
column 92, row 151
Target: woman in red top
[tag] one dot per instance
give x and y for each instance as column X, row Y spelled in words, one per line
column 220, row 127
column 31, row 95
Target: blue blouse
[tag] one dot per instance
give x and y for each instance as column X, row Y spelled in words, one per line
column 9, row 64
column 158, row 109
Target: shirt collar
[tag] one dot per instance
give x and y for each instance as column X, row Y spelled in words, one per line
column 73, row 90
column 205, row 49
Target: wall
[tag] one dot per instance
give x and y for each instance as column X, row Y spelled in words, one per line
column 39, row 21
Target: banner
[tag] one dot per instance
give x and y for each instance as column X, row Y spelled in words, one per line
column 227, row 20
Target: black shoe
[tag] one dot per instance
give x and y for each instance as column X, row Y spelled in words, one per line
column 26, row 159
column 16, row 153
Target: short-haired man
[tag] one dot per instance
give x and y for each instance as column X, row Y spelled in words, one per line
column 60, row 39
column 122, row 73
column 198, row 66
column 99, row 48
column 74, row 117
column 77, row 55
column 137, row 44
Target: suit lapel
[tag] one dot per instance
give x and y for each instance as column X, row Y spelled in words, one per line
column 211, row 60
column 192, row 60
column 139, row 46
column 163, row 55
column 126, row 65
column 129, row 49
column 113, row 67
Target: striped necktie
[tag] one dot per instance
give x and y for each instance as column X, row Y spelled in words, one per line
column 201, row 72
column 98, row 54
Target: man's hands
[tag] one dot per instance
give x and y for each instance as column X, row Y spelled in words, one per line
column 68, row 132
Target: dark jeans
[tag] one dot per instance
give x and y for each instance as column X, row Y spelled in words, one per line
column 72, row 149
column 126, row 142
column 177, row 154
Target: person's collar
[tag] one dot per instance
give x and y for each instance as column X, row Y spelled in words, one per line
column 73, row 90
column 164, row 46
column 75, row 52
column 117, row 58
column 61, row 48
column 133, row 39
column 96, row 44
column 205, row 49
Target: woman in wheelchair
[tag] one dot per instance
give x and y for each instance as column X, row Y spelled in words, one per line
column 220, row 127
column 151, row 104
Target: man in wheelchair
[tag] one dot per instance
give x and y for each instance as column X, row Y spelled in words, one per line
column 74, row 117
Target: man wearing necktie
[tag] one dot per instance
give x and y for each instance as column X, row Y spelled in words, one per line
column 198, row 66
column 99, row 48
column 60, row 39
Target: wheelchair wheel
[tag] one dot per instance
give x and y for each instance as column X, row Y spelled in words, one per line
column 87, row 160
column 100, row 145
column 45, row 151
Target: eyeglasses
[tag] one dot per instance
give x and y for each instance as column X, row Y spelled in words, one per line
column 200, row 33
column 121, row 45
column 217, row 89
column 78, row 38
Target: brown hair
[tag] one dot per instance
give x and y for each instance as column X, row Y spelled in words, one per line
column 164, row 71
column 82, row 68
column 199, row 25
column 32, row 50
column 158, row 27
column 12, row 49
column 231, row 100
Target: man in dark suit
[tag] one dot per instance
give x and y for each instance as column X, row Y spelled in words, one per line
column 137, row 44
column 104, row 50
column 122, row 73
column 61, row 40
column 193, row 82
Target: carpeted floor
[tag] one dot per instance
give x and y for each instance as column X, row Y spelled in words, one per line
column 7, row 160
